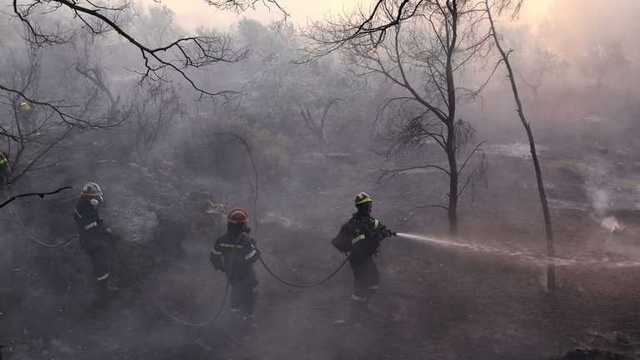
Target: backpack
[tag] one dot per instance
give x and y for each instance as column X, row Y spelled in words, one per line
column 342, row 241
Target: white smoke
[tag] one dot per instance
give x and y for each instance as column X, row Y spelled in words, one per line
column 598, row 191
column 600, row 201
column 611, row 224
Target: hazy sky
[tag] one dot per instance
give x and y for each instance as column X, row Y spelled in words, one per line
column 193, row 13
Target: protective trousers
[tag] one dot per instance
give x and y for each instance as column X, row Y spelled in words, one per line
column 243, row 297
column 365, row 277
column 96, row 246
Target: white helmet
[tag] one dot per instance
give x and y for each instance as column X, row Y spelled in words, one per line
column 93, row 191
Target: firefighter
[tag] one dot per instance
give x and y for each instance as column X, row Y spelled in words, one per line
column 95, row 236
column 5, row 170
column 234, row 254
column 360, row 237
column 26, row 116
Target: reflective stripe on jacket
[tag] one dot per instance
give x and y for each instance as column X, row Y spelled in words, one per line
column 363, row 234
column 238, row 252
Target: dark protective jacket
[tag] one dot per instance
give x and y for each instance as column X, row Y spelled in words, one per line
column 4, row 161
column 94, row 237
column 361, row 236
column 234, row 254
column 87, row 218
column 5, row 169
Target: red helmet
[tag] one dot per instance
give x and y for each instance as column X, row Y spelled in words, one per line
column 238, row 216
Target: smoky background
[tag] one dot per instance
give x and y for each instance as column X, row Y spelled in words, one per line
column 318, row 136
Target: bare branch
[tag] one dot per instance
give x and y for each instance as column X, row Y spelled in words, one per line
column 243, row 5
column 179, row 56
column 39, row 194
column 390, row 173
column 40, row 155
column 59, row 110
column 412, row 211
column 470, row 155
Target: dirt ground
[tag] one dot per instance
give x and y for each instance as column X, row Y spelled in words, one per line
column 434, row 303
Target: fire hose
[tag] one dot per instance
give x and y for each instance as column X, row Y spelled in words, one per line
column 303, row 285
column 273, row 274
column 211, row 320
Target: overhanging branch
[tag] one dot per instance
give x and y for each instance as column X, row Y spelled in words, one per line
column 178, row 56
column 42, row 195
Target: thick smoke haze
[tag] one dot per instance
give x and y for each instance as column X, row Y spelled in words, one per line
column 262, row 110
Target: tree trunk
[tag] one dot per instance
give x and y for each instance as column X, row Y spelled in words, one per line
column 453, row 180
column 551, row 274
column 452, row 143
column 453, row 204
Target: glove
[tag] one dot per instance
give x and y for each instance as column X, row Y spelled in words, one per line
column 388, row 233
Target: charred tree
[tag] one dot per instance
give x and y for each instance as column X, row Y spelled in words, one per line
column 504, row 55
column 420, row 47
column 317, row 125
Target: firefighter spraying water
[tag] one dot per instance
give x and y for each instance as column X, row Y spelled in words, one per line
column 360, row 237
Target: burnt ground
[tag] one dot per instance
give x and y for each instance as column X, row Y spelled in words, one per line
column 434, row 303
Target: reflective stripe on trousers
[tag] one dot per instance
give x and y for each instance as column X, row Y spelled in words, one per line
column 103, row 277
column 91, row 225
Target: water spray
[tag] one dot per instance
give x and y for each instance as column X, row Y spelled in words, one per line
column 538, row 260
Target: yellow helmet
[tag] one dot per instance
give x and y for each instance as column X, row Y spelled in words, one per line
column 363, row 198
column 24, row 106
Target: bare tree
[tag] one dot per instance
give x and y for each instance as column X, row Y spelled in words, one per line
column 243, row 5
column 504, row 56
column 421, row 47
column 546, row 64
column 93, row 72
column 26, row 100
column 35, row 128
column 317, row 124
column 157, row 110
column 179, row 56
column 153, row 109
